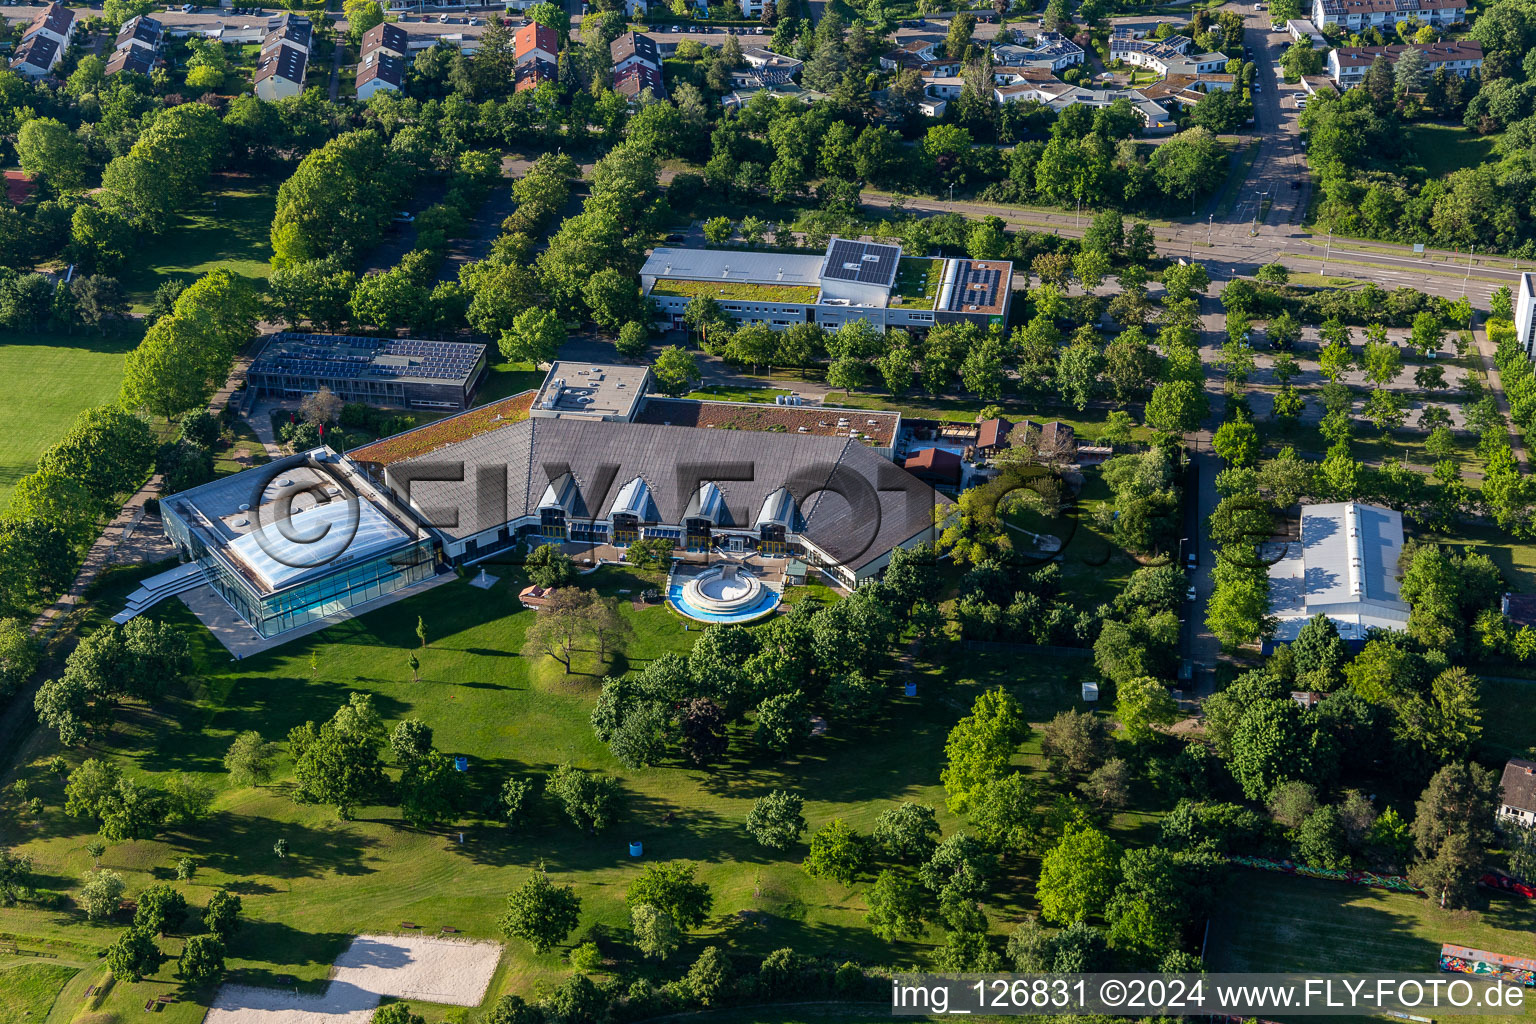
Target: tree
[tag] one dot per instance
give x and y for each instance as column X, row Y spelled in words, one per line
column 1238, row 442
column 47, row 149
column 590, row 799
column 1272, row 743
column 411, row 741
column 1176, row 408
column 1319, row 654
column 250, row 760
column 708, row 976
column 676, row 371
column 549, row 567
column 836, row 851
column 1076, row 741
column 1078, row 876
column 847, row 373
column 1460, row 798
column 961, row 25
column 1320, row 841
column 656, row 933
column 672, row 889
column 202, row 960
column 775, row 820
column 431, row 789
column 134, row 956
column 100, row 896
column 161, row 910
column 339, row 762
column 1140, row 704
column 908, row 832
column 1450, row 873
column 221, row 916
column 703, row 724
column 1109, row 784
column 633, row 340
column 896, row 908
column 541, row 913
column 783, row 721
column 535, row 337
column 981, row 745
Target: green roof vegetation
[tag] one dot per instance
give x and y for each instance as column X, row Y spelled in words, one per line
column 918, row 279
column 722, row 291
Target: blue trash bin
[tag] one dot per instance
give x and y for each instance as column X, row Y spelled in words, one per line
column 911, row 689
column 634, row 849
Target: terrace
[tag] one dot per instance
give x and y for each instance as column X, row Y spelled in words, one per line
column 917, row 282
column 747, row 291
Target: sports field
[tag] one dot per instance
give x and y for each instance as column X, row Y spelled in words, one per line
column 45, row 380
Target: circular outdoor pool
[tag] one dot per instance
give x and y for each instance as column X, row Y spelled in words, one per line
column 722, row 594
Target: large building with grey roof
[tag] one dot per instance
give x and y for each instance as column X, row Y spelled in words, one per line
column 319, row 533
column 401, row 373
column 852, row 280
column 1345, row 567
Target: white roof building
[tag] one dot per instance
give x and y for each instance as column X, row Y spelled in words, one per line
column 1525, row 311
column 1344, row 567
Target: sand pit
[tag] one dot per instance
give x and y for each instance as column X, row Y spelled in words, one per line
column 401, row 966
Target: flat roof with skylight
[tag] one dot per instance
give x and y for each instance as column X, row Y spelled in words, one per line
column 590, row 391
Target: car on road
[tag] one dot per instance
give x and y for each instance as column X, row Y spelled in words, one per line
column 1192, row 559
column 674, row 28
column 404, row 217
column 676, row 239
column 1189, row 595
column 1257, row 88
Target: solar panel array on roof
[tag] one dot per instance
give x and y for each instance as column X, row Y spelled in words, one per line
column 864, row 262
column 974, row 286
column 335, row 355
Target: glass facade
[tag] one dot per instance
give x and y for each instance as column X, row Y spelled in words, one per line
column 350, row 585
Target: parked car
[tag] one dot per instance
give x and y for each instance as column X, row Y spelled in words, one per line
column 676, row 239
column 404, row 217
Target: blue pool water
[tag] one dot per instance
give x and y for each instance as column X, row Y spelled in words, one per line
column 767, row 600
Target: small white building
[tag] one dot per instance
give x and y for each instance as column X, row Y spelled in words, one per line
column 1344, row 567
column 1170, row 56
column 1355, row 15
column 1348, row 65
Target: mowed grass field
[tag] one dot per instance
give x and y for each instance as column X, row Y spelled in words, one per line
column 1282, row 924
column 1444, row 148
column 228, row 226
column 45, row 380
column 511, row 717
column 28, row 989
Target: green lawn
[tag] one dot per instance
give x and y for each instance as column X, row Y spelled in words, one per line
column 919, row 279
column 28, row 989
column 45, row 380
column 726, row 291
column 742, row 394
column 228, row 226
column 1278, row 923
column 1443, row 148
column 513, row 717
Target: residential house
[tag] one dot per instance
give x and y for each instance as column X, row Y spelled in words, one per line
column 141, row 32
column 388, row 39
column 379, row 70
column 284, row 59
column 1169, row 56
column 1347, row 65
column 1518, row 802
column 1043, row 87
column 131, row 58
column 637, row 78
column 44, row 41
column 1187, row 90
column 1050, row 50
column 923, row 57
column 531, row 74
column 936, row 467
column 536, row 42
column 1355, row 15
column 632, row 49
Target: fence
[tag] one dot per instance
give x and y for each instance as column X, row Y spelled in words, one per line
column 1395, row 883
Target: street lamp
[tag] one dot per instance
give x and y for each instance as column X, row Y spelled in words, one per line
column 1468, row 276
column 1210, row 222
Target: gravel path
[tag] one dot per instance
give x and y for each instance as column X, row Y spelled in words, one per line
column 401, row 966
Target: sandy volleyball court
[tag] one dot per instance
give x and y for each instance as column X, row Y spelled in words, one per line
column 410, row 967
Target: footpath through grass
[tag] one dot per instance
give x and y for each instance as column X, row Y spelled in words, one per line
column 45, row 380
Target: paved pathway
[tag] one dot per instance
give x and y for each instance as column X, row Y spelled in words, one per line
column 1485, row 351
